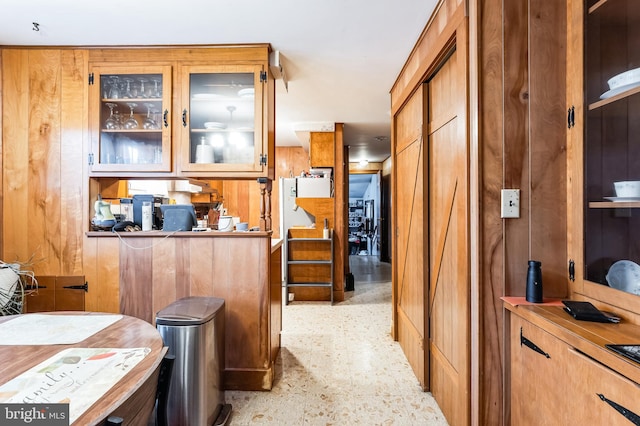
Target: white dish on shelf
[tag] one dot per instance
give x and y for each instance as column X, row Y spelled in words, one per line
column 624, row 78
column 627, row 188
column 622, row 199
column 619, row 90
column 624, row 275
column 214, row 125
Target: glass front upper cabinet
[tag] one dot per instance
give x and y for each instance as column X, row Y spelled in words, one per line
column 130, row 119
column 221, row 119
column 612, row 143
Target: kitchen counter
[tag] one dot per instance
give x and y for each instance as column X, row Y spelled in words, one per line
column 142, row 272
column 181, row 234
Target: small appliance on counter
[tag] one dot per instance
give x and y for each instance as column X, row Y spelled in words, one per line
column 178, row 217
column 104, row 218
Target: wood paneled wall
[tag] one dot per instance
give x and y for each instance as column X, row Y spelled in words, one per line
column 44, row 97
column 522, row 144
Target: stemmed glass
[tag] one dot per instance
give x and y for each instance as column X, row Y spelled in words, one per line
column 111, row 123
column 131, row 122
column 143, row 93
column 149, row 123
column 157, row 93
column 127, row 90
column 114, row 91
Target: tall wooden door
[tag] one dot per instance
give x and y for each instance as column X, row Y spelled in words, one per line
column 431, row 245
column 410, row 243
column 448, row 224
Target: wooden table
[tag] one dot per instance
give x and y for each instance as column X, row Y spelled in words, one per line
column 132, row 398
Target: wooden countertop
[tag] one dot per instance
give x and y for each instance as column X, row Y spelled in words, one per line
column 181, row 234
column 132, row 397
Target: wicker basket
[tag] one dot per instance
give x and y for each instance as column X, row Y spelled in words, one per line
column 14, row 284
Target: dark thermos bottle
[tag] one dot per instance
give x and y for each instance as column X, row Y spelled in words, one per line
column 534, row 282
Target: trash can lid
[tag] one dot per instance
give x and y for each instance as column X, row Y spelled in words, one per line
column 190, row 311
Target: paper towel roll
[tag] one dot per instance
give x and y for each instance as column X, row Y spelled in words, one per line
column 204, row 154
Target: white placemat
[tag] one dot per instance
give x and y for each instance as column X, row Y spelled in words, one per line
column 42, row 329
column 77, row 376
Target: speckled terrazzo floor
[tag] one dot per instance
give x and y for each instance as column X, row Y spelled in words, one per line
column 338, row 364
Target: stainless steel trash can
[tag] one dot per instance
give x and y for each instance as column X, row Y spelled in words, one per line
column 193, row 330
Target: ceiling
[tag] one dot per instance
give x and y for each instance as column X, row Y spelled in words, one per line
column 358, row 184
column 340, row 57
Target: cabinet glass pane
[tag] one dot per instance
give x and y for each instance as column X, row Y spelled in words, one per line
column 131, row 119
column 612, row 146
column 222, row 118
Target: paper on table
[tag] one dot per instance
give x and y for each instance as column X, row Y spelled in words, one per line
column 42, row 329
column 77, row 376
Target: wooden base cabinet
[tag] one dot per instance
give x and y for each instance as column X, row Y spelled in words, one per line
column 147, row 271
column 561, row 373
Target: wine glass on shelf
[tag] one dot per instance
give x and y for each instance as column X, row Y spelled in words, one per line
column 157, row 88
column 149, row 123
column 127, row 87
column 143, row 92
column 111, row 123
column 114, row 89
column 131, row 122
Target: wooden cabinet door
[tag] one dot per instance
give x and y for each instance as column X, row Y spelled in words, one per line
column 130, row 119
column 70, row 293
column 44, row 299
column 322, row 149
column 598, row 393
column 538, row 378
column 221, row 121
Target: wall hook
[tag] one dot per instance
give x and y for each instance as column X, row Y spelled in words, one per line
column 36, row 26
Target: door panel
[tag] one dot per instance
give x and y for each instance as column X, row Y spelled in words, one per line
column 409, row 255
column 448, row 243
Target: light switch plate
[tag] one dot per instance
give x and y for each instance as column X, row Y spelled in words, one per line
column 510, row 203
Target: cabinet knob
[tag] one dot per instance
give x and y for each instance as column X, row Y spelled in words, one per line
column 184, row 118
column 165, row 118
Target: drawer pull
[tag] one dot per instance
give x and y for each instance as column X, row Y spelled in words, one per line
column 528, row 343
column 629, row 415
